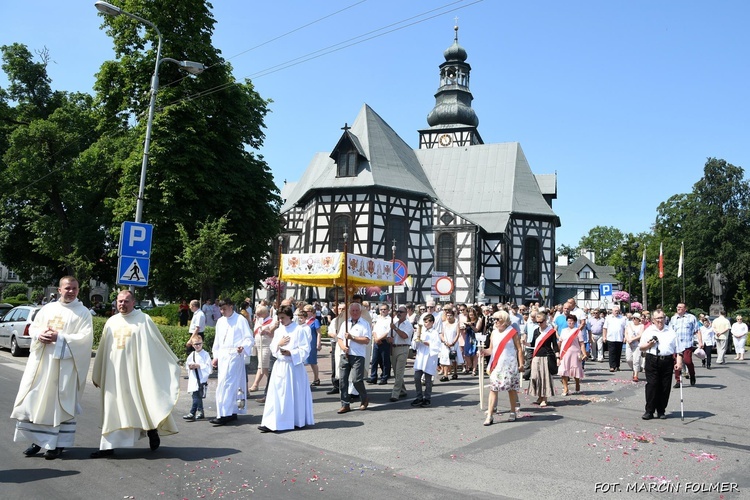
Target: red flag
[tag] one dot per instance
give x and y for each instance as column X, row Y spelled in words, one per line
column 661, row 261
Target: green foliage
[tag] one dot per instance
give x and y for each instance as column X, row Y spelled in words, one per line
column 207, row 254
column 742, row 297
column 170, row 312
column 605, row 241
column 160, row 320
column 14, row 290
column 323, row 331
column 203, row 159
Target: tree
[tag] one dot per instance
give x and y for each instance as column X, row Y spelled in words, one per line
column 202, row 162
column 53, row 185
column 569, row 251
column 205, row 257
column 712, row 223
column 605, row 241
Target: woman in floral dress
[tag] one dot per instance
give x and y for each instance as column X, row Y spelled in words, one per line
column 504, row 371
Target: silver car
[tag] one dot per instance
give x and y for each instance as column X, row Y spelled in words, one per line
column 14, row 329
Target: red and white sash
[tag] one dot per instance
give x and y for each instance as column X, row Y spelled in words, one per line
column 509, row 334
column 542, row 340
column 569, row 342
column 266, row 321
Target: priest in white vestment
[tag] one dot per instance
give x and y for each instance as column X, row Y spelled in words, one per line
column 233, row 341
column 139, row 379
column 289, row 399
column 50, row 392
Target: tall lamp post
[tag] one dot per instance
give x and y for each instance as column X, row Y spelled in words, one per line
column 194, row 68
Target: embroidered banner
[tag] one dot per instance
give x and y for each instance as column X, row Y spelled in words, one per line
column 327, row 269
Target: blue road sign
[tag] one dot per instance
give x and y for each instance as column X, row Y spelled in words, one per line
column 399, row 272
column 135, row 240
column 605, row 289
column 132, row 271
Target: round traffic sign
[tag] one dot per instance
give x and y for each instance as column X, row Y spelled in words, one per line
column 444, row 285
column 400, row 272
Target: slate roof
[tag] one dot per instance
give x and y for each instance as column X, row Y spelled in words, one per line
column 568, row 275
column 484, row 183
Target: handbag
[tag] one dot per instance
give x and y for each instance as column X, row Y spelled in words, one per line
column 452, row 355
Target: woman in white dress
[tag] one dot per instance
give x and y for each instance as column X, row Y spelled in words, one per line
column 506, row 358
column 739, row 336
column 289, row 399
column 633, row 333
column 450, row 354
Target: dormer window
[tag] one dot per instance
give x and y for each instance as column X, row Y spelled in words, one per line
column 346, row 164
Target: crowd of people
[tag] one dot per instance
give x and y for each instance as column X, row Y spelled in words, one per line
column 516, row 345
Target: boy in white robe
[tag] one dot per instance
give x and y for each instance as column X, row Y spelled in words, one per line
column 199, row 367
column 427, row 345
column 232, row 342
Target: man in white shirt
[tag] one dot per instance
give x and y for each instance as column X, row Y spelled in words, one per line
column 381, row 349
column 197, row 324
column 613, row 333
column 353, row 338
column 401, row 335
column 663, row 355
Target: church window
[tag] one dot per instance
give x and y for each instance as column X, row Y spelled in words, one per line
column 308, row 236
column 446, row 254
column 396, row 230
column 531, row 262
column 347, row 164
column 341, row 224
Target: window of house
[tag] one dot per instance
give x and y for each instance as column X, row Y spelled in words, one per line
column 341, row 224
column 446, row 254
column 395, row 230
column 347, row 164
column 587, row 294
column 531, row 262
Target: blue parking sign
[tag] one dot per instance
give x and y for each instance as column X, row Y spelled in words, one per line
column 135, row 239
column 605, row 289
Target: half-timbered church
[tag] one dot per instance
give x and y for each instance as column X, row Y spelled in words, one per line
column 456, row 205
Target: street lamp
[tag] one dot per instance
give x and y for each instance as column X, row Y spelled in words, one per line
column 194, row 68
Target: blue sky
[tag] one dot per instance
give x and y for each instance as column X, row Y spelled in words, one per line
column 625, row 100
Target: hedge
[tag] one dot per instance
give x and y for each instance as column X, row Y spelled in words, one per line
column 175, row 336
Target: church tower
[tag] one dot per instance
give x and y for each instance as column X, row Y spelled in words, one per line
column 453, row 123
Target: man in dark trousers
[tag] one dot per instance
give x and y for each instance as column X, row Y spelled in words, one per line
column 663, row 358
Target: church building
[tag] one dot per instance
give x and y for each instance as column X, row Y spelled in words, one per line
column 454, row 207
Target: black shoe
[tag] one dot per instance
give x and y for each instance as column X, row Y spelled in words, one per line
column 333, row 391
column 692, row 379
column 676, row 385
column 189, row 416
column 219, row 420
column 32, row 450
column 102, row 453
column 53, row 454
column 382, row 382
column 417, row 402
column 199, row 415
column 371, row 381
column 425, row 403
column 232, row 417
column 443, row 378
column 647, row 416
column 153, row 439
column 662, row 416
column 454, row 376
column 393, row 400
column 264, row 429
column 708, row 367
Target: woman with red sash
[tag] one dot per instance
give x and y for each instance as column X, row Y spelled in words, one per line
column 544, row 342
column 507, row 356
column 572, row 354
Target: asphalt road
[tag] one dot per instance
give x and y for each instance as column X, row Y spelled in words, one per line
column 583, row 446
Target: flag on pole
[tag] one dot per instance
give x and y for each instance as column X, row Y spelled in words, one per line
column 643, row 266
column 661, row 261
column 682, row 256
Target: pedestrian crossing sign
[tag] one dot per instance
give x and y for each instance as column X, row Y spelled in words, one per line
column 132, row 271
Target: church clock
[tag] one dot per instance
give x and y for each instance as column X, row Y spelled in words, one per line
column 445, row 140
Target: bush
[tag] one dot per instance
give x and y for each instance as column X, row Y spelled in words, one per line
column 14, row 290
column 323, row 331
column 159, row 320
column 170, row 311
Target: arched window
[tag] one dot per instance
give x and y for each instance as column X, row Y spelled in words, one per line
column 341, row 224
column 531, row 263
column 446, row 254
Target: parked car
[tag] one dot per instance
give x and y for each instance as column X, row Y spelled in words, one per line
column 4, row 308
column 14, row 329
